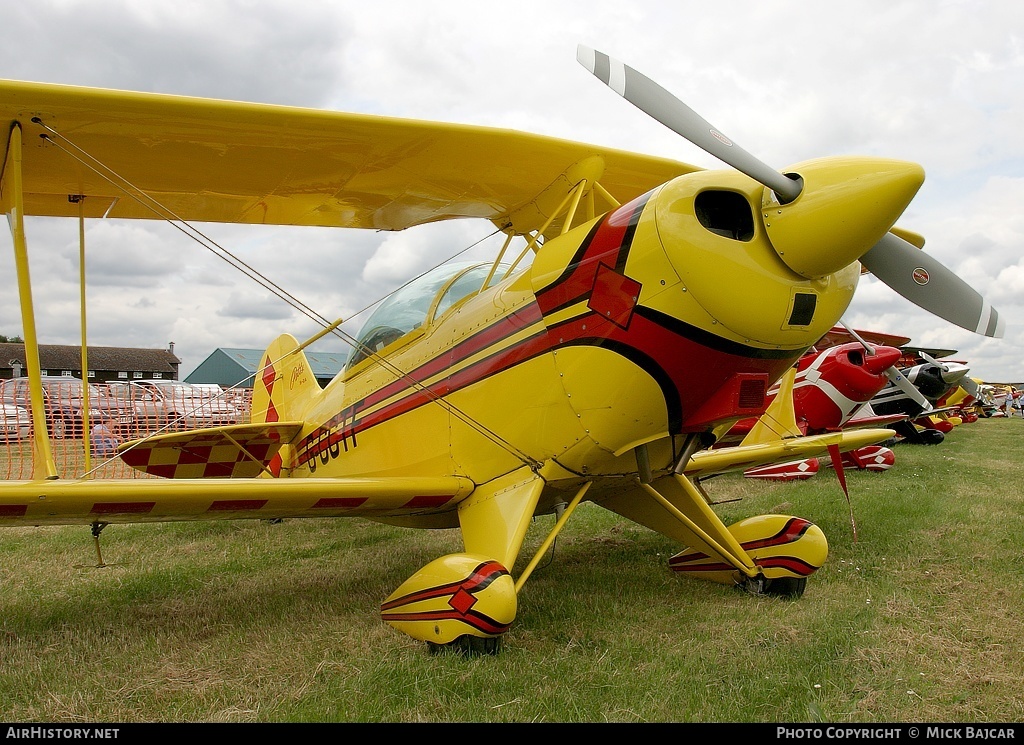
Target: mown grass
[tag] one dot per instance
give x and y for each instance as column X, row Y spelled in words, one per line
column 917, row 618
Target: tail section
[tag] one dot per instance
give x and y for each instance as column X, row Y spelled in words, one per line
column 284, row 386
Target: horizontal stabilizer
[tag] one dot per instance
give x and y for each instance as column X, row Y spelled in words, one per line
column 234, row 451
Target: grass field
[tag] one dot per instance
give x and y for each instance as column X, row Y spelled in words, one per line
column 917, row 619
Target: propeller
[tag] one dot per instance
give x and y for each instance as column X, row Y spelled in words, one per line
column 924, row 281
column 971, row 386
column 658, row 103
column 952, row 373
column 895, row 376
column 920, row 278
column 928, row 358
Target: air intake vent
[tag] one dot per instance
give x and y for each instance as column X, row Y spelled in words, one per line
column 725, row 213
column 752, row 393
column 804, row 304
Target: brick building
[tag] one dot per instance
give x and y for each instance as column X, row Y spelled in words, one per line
column 105, row 363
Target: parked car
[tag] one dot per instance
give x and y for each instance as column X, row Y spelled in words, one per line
column 15, row 423
column 150, row 410
column 209, row 389
column 183, row 406
column 64, row 402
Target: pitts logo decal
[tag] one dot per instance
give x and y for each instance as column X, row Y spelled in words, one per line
column 298, row 375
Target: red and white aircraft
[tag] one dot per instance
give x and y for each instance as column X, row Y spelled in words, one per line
column 834, row 381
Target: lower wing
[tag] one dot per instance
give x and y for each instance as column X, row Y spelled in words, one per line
column 741, row 457
column 89, row 501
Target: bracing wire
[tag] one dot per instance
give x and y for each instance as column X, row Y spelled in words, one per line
column 161, row 211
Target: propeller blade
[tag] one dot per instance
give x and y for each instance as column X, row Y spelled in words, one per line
column 928, row 358
column 924, row 281
column 971, row 386
column 867, row 347
column 659, row 104
column 898, row 263
column 902, row 382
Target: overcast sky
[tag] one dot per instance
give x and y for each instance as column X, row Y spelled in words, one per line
column 938, row 82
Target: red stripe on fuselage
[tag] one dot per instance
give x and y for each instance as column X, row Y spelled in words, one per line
column 418, row 395
column 667, row 348
column 607, row 244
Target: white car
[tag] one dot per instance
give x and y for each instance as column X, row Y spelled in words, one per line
column 15, row 423
column 188, row 407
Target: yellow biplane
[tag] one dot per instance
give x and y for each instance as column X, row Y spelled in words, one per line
column 652, row 306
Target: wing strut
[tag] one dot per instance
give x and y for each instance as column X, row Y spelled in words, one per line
column 569, row 204
column 559, row 524
column 79, row 199
column 43, row 465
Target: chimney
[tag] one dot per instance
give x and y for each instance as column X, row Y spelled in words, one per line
column 170, row 347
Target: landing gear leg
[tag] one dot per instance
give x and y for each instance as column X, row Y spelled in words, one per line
column 97, row 528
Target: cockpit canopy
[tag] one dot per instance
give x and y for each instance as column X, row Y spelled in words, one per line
column 418, row 303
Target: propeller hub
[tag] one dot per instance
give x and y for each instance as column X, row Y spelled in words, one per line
column 845, row 207
column 881, row 360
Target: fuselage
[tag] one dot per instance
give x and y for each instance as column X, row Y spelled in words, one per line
column 669, row 315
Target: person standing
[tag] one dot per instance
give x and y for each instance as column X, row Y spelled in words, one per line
column 104, row 441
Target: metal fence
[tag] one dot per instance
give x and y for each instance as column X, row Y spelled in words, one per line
column 117, row 413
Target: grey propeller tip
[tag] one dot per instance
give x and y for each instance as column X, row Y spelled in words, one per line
column 586, row 57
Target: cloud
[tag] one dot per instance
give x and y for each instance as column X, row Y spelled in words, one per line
column 937, row 84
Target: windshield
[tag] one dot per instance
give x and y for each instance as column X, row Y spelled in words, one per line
column 470, row 281
column 176, row 390
column 406, row 309
column 69, row 388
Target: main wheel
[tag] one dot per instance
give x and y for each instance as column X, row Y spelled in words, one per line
column 789, row 587
column 468, row 645
column 931, row 437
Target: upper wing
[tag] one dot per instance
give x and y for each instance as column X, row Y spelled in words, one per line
column 839, row 335
column 221, row 161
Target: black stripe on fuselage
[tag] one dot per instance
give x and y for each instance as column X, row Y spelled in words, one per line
column 710, row 340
